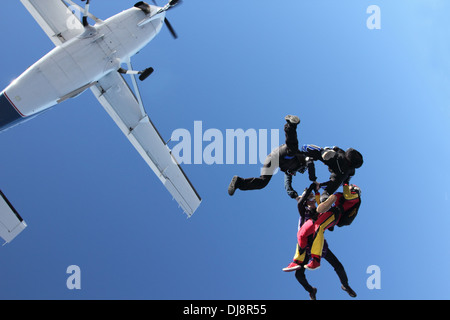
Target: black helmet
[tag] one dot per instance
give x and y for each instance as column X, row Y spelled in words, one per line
column 354, row 157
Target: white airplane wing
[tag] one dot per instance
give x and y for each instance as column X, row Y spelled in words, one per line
column 11, row 224
column 55, row 18
column 122, row 105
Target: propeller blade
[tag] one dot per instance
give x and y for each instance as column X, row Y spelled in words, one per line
column 169, row 26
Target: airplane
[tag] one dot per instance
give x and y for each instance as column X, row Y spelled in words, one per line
column 92, row 57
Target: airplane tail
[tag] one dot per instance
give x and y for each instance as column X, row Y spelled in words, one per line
column 9, row 115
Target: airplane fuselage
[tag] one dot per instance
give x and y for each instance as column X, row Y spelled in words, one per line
column 69, row 69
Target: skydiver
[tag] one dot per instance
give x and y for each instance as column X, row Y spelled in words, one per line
column 342, row 165
column 287, row 157
column 339, row 209
column 306, row 204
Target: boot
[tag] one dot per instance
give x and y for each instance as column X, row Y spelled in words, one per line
column 233, row 185
column 292, row 119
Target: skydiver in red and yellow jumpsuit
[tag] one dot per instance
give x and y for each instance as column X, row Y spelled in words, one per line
column 339, row 209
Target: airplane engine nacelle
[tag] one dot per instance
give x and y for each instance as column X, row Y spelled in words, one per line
column 144, row 6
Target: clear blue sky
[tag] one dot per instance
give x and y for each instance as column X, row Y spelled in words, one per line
column 90, row 200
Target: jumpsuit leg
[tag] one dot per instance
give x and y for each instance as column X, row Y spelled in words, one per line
column 338, row 267
column 259, row 183
column 272, row 162
column 307, row 229
column 290, row 132
column 254, row 183
column 317, row 228
column 325, row 221
column 301, row 278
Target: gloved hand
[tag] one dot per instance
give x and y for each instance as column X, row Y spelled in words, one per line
column 328, row 153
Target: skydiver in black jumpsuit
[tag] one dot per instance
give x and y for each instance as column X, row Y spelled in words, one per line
column 287, row 157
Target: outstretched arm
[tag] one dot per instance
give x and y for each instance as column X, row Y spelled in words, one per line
column 301, row 202
column 311, row 169
column 312, row 153
column 288, row 186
